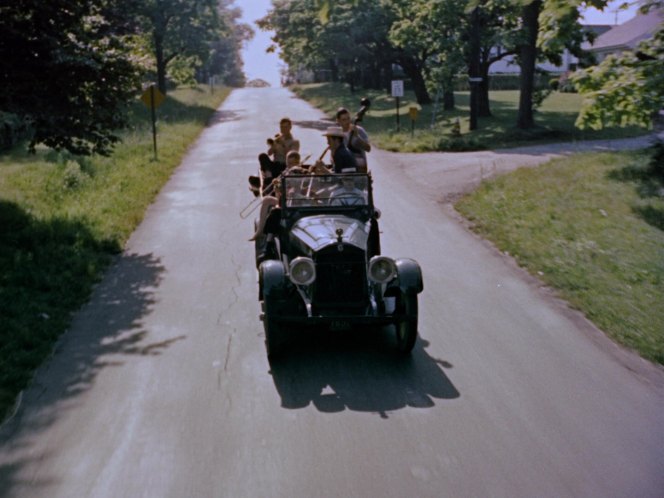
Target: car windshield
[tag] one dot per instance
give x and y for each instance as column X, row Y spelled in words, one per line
column 326, row 190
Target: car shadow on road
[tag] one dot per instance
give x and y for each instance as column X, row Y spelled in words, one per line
column 358, row 372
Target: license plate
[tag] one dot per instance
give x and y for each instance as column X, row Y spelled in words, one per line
column 340, row 325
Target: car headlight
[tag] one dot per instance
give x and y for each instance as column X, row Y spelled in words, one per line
column 382, row 269
column 302, row 271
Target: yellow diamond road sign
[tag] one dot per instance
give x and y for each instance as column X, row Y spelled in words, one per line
column 152, row 95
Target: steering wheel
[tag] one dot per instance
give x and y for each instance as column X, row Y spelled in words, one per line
column 346, row 199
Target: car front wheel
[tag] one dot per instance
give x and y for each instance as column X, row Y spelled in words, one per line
column 406, row 325
column 273, row 335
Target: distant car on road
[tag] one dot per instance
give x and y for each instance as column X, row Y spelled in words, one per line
column 319, row 263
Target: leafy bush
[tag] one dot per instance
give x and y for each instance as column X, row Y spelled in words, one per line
column 12, row 130
column 73, row 176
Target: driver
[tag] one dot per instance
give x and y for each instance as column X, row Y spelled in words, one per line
column 347, row 194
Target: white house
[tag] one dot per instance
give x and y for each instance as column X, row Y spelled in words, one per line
column 627, row 35
column 569, row 62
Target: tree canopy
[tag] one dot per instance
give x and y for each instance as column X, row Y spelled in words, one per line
column 69, row 69
column 65, row 72
column 429, row 40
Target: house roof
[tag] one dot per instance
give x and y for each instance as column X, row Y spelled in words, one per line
column 629, row 34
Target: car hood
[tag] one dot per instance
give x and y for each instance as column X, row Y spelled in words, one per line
column 313, row 233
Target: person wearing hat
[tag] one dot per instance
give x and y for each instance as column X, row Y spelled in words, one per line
column 343, row 160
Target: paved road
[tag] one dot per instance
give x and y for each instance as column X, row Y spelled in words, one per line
column 162, row 387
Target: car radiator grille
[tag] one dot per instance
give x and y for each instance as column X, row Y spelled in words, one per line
column 341, row 282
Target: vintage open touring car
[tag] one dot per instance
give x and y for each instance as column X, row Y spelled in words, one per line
column 319, row 263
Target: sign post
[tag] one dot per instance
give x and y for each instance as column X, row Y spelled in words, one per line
column 413, row 111
column 397, row 92
column 153, row 98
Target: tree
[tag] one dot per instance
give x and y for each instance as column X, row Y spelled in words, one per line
column 549, row 27
column 66, row 72
column 527, row 59
column 500, row 32
column 224, row 59
column 178, row 28
column 429, row 34
column 350, row 43
column 297, row 28
column 623, row 90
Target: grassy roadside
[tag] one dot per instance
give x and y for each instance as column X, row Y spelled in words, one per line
column 433, row 127
column 62, row 218
column 591, row 226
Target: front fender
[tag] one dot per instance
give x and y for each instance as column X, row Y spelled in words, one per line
column 410, row 276
column 272, row 276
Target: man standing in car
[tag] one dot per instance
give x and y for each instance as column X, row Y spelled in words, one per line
column 273, row 162
column 355, row 138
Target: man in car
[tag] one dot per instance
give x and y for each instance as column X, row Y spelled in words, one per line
column 273, row 162
column 355, row 138
column 347, row 193
column 343, row 160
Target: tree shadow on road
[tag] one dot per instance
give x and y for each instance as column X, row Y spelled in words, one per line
column 105, row 333
column 223, row 116
column 358, row 371
column 320, row 125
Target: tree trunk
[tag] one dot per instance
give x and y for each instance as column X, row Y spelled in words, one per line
column 420, row 89
column 484, row 106
column 387, row 77
column 528, row 56
column 334, row 70
column 448, row 99
column 474, row 67
column 414, row 72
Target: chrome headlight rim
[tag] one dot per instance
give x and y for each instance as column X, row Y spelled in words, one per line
column 386, row 274
column 295, row 273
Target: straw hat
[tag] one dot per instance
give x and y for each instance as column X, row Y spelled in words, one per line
column 334, row 131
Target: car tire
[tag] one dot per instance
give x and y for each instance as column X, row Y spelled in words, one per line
column 406, row 327
column 273, row 331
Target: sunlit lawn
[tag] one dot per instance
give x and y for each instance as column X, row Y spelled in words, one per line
column 591, row 226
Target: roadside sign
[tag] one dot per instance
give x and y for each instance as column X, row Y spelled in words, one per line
column 152, row 97
column 412, row 112
column 397, row 88
column 397, row 92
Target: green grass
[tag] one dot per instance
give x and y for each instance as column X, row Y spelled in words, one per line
column 433, row 127
column 591, row 226
column 63, row 218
